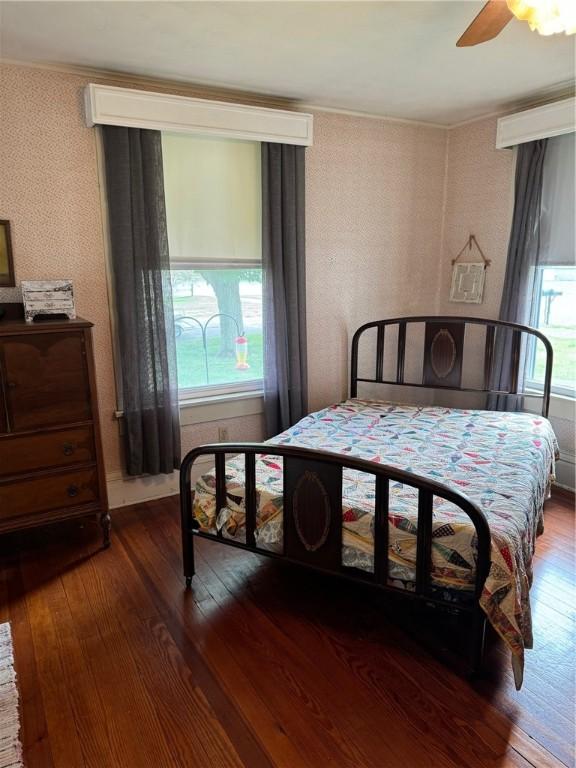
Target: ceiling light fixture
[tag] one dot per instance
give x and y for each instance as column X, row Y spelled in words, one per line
column 548, row 17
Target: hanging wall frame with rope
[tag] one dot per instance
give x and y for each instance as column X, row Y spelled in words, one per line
column 468, row 277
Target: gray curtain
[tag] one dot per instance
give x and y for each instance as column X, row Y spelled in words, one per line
column 284, row 286
column 523, row 258
column 143, row 297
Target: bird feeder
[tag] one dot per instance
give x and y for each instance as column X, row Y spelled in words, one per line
column 242, row 353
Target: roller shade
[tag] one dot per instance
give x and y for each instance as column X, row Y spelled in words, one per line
column 213, row 201
column 557, row 223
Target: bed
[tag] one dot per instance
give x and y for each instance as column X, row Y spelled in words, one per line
column 434, row 503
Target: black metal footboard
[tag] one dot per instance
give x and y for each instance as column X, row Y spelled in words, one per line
column 312, row 520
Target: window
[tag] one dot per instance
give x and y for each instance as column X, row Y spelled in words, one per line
column 554, row 303
column 213, row 211
column 554, row 313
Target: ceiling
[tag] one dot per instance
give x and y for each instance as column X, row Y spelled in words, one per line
column 397, row 59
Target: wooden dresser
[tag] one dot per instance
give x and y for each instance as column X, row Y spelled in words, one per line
column 51, row 465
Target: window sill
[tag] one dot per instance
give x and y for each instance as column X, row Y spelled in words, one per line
column 200, row 410
column 561, row 406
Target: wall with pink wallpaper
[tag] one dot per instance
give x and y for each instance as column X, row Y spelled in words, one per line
column 480, row 200
column 49, row 189
column 374, row 195
column 479, row 189
column 374, row 210
column 388, row 205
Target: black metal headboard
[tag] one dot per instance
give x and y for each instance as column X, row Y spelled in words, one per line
column 444, row 352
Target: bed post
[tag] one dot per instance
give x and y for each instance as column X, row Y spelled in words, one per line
column 479, row 619
column 478, row 639
column 186, row 518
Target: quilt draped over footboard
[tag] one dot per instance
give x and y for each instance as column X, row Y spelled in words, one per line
column 503, row 462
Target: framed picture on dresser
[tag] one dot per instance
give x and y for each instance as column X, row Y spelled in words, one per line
column 7, row 279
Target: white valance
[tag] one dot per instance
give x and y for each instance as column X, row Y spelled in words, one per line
column 553, row 119
column 109, row 105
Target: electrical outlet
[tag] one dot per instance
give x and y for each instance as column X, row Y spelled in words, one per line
column 223, row 436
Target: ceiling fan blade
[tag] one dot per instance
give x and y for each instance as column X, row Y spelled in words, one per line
column 490, row 22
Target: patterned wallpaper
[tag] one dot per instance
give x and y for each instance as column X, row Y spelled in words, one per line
column 388, row 205
column 49, row 189
column 479, row 200
column 374, row 201
column 374, row 221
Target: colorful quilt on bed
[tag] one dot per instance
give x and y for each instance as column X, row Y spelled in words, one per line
column 502, row 461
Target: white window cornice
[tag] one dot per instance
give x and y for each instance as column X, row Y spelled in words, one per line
column 539, row 123
column 110, row 105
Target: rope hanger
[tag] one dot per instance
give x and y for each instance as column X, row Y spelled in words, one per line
column 468, row 244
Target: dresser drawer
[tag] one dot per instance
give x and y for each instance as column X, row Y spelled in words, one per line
column 48, row 492
column 46, row 450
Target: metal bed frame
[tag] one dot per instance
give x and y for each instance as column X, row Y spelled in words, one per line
column 312, row 480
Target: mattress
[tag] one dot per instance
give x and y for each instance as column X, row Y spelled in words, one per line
column 503, row 462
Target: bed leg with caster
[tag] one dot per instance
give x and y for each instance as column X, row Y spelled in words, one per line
column 187, row 521
column 188, row 557
column 106, row 526
column 189, row 563
column 478, row 641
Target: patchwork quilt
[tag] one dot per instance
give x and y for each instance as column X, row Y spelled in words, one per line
column 501, row 461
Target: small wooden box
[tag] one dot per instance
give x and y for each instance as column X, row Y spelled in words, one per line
column 48, row 297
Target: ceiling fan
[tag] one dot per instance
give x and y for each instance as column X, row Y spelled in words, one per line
column 548, row 17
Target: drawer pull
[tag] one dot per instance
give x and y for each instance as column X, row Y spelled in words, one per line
column 68, row 449
column 72, row 491
column 11, row 384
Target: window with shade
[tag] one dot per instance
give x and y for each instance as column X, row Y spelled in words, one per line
column 554, row 300
column 213, row 210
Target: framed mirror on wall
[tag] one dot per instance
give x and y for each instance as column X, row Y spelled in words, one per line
column 7, row 278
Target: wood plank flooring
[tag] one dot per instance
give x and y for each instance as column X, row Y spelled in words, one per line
column 263, row 664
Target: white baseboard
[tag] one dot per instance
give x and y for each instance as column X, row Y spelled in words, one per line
column 566, row 471
column 123, row 490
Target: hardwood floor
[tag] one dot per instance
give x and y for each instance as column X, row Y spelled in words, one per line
column 262, row 664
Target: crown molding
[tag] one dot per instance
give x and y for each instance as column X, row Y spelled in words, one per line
column 368, row 115
column 197, row 89
column 549, row 95
column 223, row 92
column 200, row 89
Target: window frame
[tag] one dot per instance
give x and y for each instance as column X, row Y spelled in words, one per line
column 253, row 386
column 530, row 384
